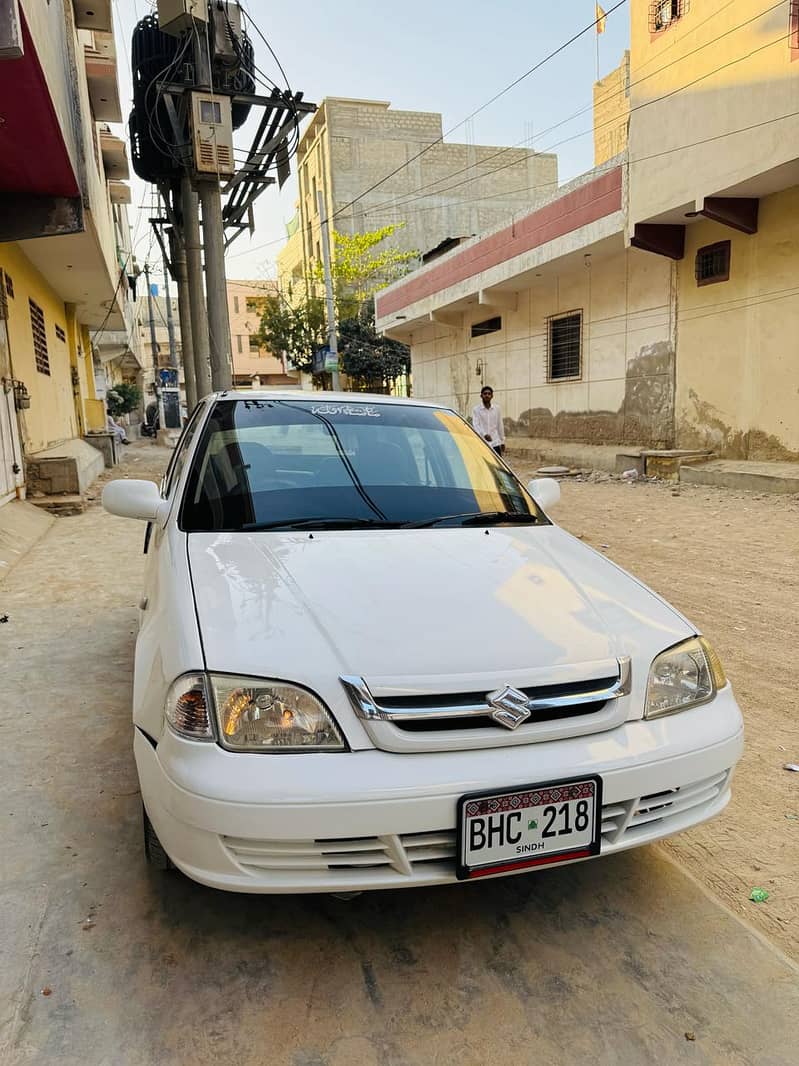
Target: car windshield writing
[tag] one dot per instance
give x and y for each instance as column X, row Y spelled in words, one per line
column 272, row 463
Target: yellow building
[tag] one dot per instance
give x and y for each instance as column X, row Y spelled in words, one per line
column 653, row 301
column 714, row 186
column 65, row 251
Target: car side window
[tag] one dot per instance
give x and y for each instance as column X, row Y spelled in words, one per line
column 178, row 461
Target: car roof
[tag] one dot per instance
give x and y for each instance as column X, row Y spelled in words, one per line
column 320, row 397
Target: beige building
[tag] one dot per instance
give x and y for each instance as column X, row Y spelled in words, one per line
column 253, row 364
column 449, row 191
column 653, row 301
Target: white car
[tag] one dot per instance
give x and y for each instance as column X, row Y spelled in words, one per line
column 368, row 659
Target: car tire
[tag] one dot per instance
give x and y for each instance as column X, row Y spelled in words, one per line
column 153, row 848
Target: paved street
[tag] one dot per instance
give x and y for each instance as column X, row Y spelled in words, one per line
column 104, row 962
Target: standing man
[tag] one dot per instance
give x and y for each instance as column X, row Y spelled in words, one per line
column 487, row 420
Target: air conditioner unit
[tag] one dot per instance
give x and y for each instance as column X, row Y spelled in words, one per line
column 176, row 16
column 212, row 134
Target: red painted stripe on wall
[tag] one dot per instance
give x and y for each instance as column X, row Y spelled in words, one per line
column 33, row 155
column 583, row 205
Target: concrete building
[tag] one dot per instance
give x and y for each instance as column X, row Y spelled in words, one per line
column 714, row 188
column 253, row 364
column 448, row 192
column 653, row 301
column 65, row 252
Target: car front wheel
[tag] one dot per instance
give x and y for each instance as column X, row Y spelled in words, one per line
column 153, row 849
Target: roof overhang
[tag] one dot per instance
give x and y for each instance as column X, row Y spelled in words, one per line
column 101, row 75
column 93, row 15
column 115, row 156
column 586, row 219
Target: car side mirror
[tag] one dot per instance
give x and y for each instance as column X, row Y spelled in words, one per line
column 545, row 491
column 130, row 498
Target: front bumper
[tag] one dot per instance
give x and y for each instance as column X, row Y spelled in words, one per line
column 373, row 819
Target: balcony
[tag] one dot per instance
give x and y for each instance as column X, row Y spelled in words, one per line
column 93, row 15
column 101, row 75
column 115, row 157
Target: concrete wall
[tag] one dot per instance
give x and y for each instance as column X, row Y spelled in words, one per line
column 720, row 68
column 738, row 340
column 351, row 144
column 611, row 112
column 51, row 417
column 625, row 393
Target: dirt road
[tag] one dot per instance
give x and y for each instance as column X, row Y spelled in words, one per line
column 730, row 562
column 104, row 963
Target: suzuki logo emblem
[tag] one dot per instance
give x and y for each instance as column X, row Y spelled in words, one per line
column 509, row 707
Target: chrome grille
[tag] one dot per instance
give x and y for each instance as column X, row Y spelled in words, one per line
column 549, row 710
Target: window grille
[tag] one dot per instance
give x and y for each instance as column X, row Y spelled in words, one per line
column 59, row 332
column 488, row 325
column 564, row 345
column 39, row 338
column 663, row 12
column 712, row 263
column 9, row 286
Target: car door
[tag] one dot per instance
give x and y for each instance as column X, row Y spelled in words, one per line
column 153, row 536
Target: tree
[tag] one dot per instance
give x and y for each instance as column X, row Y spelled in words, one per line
column 295, row 323
column 371, row 360
column 122, row 398
column 296, row 330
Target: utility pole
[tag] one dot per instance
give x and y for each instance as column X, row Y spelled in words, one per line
column 170, row 323
column 332, row 336
column 216, row 284
column 214, row 248
column 178, row 257
column 194, row 278
column 154, row 346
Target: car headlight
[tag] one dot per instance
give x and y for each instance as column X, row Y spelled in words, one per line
column 683, row 676
column 254, row 714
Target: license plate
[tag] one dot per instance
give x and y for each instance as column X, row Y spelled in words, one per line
column 533, row 825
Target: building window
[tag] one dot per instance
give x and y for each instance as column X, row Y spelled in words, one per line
column 9, row 286
column 59, row 332
column 564, row 345
column 488, row 325
column 238, row 343
column 255, row 343
column 39, row 338
column 712, row 263
column 235, row 304
column 793, row 23
column 663, row 12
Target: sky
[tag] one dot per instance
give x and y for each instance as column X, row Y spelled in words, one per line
column 450, row 56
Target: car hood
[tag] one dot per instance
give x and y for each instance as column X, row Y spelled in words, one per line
column 420, row 610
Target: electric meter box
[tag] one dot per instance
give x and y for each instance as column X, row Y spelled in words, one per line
column 177, row 16
column 212, row 134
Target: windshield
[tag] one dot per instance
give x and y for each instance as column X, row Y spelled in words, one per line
column 271, row 464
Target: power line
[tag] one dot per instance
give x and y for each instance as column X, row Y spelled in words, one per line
column 646, row 103
column 581, row 111
column 482, row 107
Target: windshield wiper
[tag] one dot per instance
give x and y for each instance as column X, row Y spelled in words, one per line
column 477, row 518
column 321, row 523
